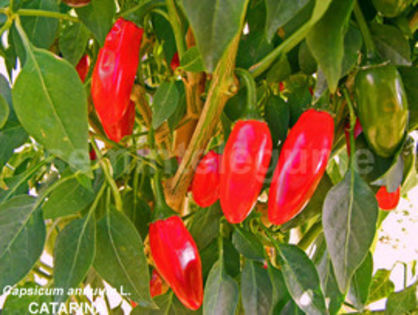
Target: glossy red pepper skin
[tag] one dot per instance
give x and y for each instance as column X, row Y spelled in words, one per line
column 83, row 67
column 177, row 260
column 245, row 162
column 301, row 164
column 386, row 200
column 175, row 62
column 76, row 3
column 114, row 73
column 206, row 180
column 156, row 284
column 123, row 127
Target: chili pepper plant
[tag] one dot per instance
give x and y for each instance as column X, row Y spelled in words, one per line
column 206, row 157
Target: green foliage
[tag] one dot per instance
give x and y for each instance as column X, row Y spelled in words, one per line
column 93, row 214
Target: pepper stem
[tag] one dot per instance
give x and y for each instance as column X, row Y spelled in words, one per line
column 251, row 107
column 370, row 47
column 161, row 209
column 352, row 127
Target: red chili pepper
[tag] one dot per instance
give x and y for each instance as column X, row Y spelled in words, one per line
column 245, row 163
column 175, row 253
column 281, row 86
column 357, row 131
column 205, row 185
column 386, row 200
column 92, row 155
column 177, row 260
column 115, row 70
column 311, row 90
column 76, row 3
column 83, row 67
column 175, row 62
column 301, row 164
column 123, row 127
column 156, row 284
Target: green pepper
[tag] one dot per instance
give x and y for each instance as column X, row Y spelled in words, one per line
column 382, row 107
column 391, row 8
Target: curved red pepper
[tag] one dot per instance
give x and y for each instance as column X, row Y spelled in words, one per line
column 83, row 67
column 177, row 260
column 245, row 163
column 301, row 164
column 206, row 180
column 386, row 200
column 175, row 62
column 115, row 70
column 123, row 127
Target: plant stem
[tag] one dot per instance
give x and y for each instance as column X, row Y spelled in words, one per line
column 352, row 126
column 364, row 31
column 177, row 26
column 50, row 14
column 106, row 167
column 6, row 26
column 249, row 82
column 310, row 236
column 219, row 93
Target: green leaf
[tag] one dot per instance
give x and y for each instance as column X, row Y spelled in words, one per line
column 165, row 103
column 252, row 48
column 352, row 46
column 333, row 296
column 392, row 178
column 120, row 258
column 326, row 40
column 73, row 42
column 168, row 304
column 180, row 112
column 98, row 17
column 391, row 44
column 301, row 279
column 360, row 284
column 403, row 302
column 16, row 304
column 164, row 33
column 4, row 111
column 277, row 115
column 409, row 77
column 256, row 289
column 60, row 120
column 214, row 24
column 280, row 70
column 12, row 135
column 381, row 286
column 192, row 60
column 307, row 62
column 74, row 254
column 221, row 292
column 68, row 198
column 40, row 30
column 22, row 238
column 138, row 211
column 280, row 295
column 279, row 12
column 247, row 244
column 205, row 225
column 349, row 220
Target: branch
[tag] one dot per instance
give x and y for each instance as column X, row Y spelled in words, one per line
column 219, row 92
